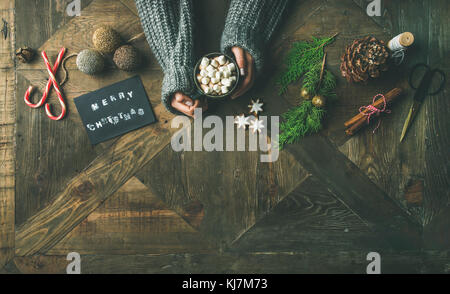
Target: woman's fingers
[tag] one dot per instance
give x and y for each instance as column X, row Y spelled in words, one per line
column 185, row 104
column 241, row 61
column 247, row 83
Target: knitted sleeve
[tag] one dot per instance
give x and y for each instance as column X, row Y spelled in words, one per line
column 250, row 25
column 168, row 29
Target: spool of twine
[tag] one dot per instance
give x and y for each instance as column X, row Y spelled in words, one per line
column 399, row 45
column 401, row 42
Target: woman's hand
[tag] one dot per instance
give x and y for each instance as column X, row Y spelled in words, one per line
column 246, row 66
column 186, row 105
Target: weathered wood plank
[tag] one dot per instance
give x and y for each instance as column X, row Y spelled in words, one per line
column 334, row 261
column 7, row 140
column 310, row 218
column 356, row 191
column 436, row 120
column 132, row 221
column 7, row 165
column 84, row 193
column 230, row 191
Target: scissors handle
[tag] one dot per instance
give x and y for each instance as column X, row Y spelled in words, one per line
column 413, row 70
column 429, row 75
column 441, row 73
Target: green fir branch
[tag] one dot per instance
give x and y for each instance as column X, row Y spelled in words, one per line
column 302, row 58
column 300, row 121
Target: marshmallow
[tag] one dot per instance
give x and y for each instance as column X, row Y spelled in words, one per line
column 227, row 74
column 216, row 88
column 218, row 75
column 205, row 81
column 205, row 62
column 212, row 74
column 232, row 79
column 231, row 67
column 222, row 60
column 203, row 73
column 224, row 89
column 199, row 77
column 210, row 68
column 222, row 68
column 226, row 82
column 215, row 80
column 206, row 89
column 214, row 63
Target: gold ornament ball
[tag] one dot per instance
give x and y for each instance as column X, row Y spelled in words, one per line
column 319, row 101
column 305, row 94
column 106, row 39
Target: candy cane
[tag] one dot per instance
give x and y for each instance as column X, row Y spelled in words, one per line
column 56, row 87
column 51, row 82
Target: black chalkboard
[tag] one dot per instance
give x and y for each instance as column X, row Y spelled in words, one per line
column 115, row 110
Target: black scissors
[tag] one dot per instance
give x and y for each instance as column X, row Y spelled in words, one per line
column 422, row 92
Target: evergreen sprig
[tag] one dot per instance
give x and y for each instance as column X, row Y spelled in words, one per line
column 305, row 59
column 312, row 79
column 299, row 122
column 302, row 58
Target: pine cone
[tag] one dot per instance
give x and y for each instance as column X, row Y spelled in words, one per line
column 364, row 58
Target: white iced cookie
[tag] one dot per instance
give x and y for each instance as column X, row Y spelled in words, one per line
column 214, row 63
column 222, row 59
column 204, row 62
column 205, row 81
column 224, row 89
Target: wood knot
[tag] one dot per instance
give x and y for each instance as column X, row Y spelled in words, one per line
column 414, row 192
column 193, row 213
column 84, row 189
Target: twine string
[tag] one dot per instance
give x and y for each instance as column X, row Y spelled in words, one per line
column 370, row 111
column 398, row 56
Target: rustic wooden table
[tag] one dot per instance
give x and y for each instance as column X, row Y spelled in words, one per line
column 133, row 205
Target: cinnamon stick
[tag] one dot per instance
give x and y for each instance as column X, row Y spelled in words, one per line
column 390, row 96
column 356, row 126
column 358, row 121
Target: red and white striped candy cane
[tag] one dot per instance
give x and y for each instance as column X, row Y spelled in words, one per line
column 51, row 82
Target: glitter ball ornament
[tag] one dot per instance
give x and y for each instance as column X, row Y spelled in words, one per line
column 305, row 94
column 90, row 62
column 127, row 58
column 106, row 40
column 319, row 101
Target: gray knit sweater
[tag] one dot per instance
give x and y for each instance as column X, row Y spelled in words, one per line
column 168, row 26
